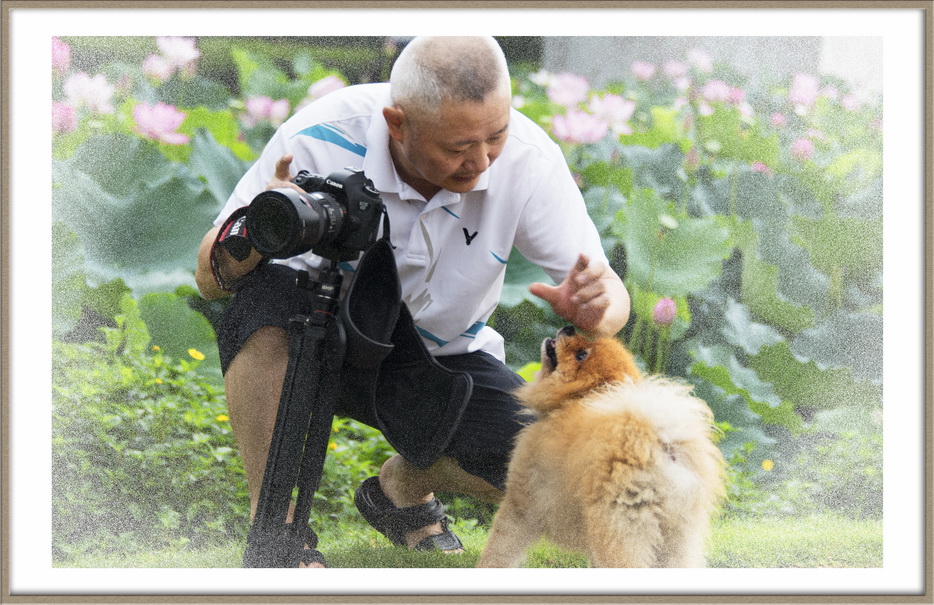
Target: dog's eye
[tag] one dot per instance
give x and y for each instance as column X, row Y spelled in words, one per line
column 581, row 355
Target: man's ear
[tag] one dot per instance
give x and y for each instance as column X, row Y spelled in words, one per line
column 395, row 120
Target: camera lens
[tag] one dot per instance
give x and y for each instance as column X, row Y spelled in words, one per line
column 282, row 223
column 273, row 227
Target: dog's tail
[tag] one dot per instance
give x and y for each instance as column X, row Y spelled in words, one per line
column 667, row 480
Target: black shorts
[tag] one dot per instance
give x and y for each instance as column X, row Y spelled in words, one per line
column 485, row 435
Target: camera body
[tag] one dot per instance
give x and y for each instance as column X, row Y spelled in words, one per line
column 336, row 218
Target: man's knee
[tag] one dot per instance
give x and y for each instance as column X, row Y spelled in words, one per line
column 269, row 345
column 259, row 366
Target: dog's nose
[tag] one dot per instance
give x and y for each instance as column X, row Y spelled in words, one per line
column 567, row 331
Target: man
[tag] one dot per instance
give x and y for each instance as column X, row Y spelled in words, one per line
column 465, row 178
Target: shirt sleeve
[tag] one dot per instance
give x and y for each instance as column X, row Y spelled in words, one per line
column 554, row 227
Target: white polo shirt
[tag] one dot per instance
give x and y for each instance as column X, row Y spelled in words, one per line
column 451, row 251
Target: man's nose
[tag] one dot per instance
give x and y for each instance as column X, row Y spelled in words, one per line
column 481, row 159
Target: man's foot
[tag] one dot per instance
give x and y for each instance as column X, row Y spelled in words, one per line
column 421, row 526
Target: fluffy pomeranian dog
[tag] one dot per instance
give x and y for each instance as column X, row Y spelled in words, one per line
column 619, row 466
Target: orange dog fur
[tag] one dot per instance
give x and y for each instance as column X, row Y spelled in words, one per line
column 619, row 466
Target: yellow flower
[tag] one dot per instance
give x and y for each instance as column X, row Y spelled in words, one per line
column 158, row 381
column 196, row 354
column 768, row 465
column 222, row 418
column 156, row 348
column 332, row 446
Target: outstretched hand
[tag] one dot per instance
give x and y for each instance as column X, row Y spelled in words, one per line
column 585, row 297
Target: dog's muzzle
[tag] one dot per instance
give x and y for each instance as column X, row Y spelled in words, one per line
column 549, row 351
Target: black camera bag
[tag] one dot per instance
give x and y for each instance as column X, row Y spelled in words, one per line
column 389, row 379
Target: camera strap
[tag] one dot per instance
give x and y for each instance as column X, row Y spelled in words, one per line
column 233, row 238
column 386, row 230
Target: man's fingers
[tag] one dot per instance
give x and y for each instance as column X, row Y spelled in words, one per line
column 544, row 291
column 282, row 168
column 588, row 316
column 588, row 292
column 282, row 177
column 583, row 261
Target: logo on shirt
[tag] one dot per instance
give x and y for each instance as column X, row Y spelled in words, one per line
column 468, row 236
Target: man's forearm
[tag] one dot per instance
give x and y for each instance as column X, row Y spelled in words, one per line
column 228, row 266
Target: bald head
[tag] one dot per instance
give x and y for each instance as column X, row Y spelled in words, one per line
column 432, row 69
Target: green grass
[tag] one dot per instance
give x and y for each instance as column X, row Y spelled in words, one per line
column 811, row 542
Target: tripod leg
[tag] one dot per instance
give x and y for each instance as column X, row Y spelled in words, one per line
column 268, row 543
column 319, row 427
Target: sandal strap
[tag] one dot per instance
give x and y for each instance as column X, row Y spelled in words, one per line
column 404, row 520
column 393, row 522
column 445, row 541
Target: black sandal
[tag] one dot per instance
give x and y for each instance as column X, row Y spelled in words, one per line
column 394, row 523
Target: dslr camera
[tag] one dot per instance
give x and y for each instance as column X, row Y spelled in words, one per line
column 336, row 218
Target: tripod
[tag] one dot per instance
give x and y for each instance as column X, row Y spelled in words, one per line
column 317, row 344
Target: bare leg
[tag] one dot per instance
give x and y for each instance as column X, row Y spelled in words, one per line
column 407, row 485
column 253, row 383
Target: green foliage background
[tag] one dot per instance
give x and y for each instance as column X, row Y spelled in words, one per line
column 774, row 263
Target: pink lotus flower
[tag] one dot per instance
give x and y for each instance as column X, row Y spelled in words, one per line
column 643, row 70
column 264, row 109
column 616, row 110
column 325, row 86
column 84, row 91
column 568, row 89
column 802, row 149
column 664, row 312
column 61, row 55
column 716, row 91
column 851, row 103
column 180, row 53
column 779, row 120
column 675, row 69
column 579, row 127
column 64, row 118
column 700, row 60
column 830, row 92
column 761, row 168
column 160, row 122
column 158, row 68
column 322, row 87
column 804, row 90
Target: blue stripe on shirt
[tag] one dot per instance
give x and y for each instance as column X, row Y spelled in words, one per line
column 426, row 334
column 326, row 133
column 473, row 330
